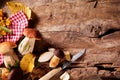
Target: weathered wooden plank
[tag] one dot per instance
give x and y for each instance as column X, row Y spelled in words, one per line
column 64, row 24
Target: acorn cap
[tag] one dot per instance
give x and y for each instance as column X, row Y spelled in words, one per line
column 6, row 47
column 32, row 33
column 59, row 53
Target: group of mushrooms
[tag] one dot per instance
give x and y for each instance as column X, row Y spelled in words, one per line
column 53, row 56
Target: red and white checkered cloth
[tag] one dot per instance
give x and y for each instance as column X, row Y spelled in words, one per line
column 18, row 22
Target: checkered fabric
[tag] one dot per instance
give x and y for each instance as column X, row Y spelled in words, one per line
column 18, row 22
column 1, row 59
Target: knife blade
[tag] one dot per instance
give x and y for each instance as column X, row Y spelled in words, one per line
column 64, row 66
column 74, row 58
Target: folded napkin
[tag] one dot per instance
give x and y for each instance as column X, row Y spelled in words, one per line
column 18, row 22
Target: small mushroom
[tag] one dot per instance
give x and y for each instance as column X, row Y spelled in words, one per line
column 10, row 57
column 7, row 47
column 67, row 55
column 27, row 44
column 65, row 76
column 58, row 54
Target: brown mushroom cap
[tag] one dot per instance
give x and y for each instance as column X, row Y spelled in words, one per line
column 6, row 47
column 59, row 53
column 32, row 33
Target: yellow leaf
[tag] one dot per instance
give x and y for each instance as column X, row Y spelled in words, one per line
column 15, row 7
column 27, row 62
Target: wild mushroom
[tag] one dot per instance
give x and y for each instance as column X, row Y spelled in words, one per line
column 67, row 55
column 27, row 44
column 46, row 56
column 65, row 76
column 10, row 58
column 58, row 54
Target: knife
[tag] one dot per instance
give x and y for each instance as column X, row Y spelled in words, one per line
column 65, row 65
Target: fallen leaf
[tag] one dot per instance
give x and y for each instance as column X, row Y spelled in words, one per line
column 27, row 62
column 16, row 6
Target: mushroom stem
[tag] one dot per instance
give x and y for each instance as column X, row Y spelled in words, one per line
column 26, row 45
column 58, row 55
column 10, row 59
column 6, row 48
column 54, row 61
column 65, row 76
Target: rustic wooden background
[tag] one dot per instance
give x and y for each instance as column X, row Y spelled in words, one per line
column 65, row 24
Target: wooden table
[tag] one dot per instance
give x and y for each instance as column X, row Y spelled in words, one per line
column 65, row 24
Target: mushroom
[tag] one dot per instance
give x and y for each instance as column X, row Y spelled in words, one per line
column 58, row 54
column 10, row 58
column 67, row 55
column 46, row 56
column 27, row 44
column 65, row 76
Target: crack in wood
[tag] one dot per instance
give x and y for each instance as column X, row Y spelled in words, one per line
column 96, row 3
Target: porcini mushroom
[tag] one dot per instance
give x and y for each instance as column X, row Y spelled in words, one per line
column 46, row 56
column 67, row 55
column 65, row 76
column 58, row 54
column 10, row 58
column 27, row 44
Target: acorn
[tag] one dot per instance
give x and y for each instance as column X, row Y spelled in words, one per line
column 58, row 55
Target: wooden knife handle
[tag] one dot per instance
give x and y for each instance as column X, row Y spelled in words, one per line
column 51, row 74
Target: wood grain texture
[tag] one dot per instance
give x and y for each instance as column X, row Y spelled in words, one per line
column 65, row 24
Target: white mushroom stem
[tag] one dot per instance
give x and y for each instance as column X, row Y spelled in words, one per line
column 65, row 76
column 10, row 59
column 26, row 45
